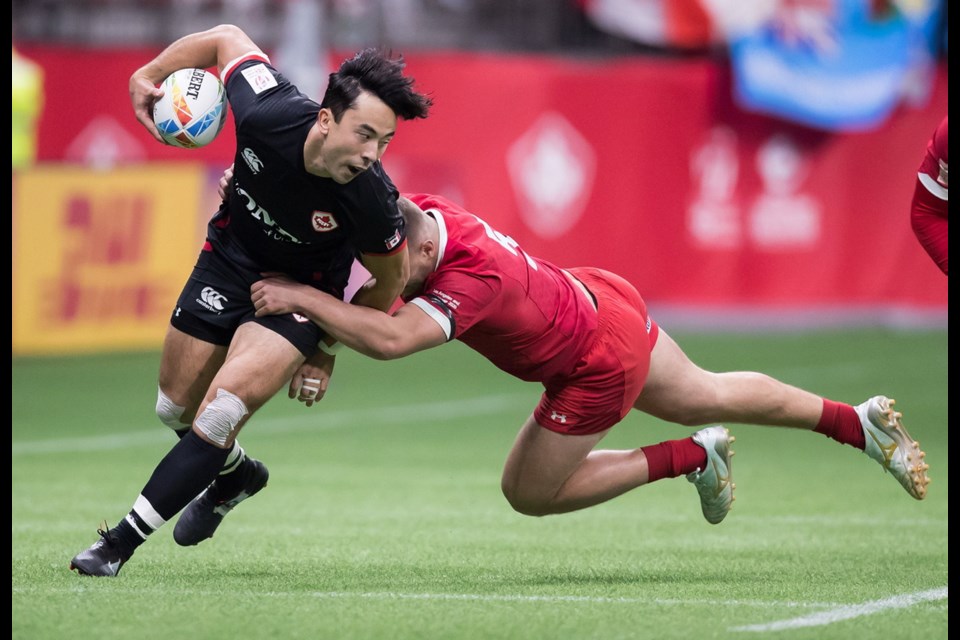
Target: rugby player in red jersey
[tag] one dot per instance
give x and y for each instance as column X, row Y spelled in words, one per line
column 307, row 196
column 928, row 209
column 585, row 334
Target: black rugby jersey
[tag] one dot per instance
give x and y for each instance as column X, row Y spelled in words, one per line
column 278, row 217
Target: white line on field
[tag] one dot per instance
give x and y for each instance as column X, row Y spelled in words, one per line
column 836, row 612
column 847, row 612
column 485, row 597
column 472, row 597
column 419, row 412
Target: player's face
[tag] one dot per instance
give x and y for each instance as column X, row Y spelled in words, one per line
column 359, row 139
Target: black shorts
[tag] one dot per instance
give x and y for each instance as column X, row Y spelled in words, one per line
column 216, row 300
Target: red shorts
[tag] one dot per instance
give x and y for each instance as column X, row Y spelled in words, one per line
column 607, row 380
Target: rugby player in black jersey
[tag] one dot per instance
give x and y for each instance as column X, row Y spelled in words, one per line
column 307, row 197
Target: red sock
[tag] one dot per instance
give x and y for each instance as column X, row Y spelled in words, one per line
column 674, row 458
column 841, row 422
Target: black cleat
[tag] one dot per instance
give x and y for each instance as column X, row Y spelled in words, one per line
column 104, row 558
column 204, row 514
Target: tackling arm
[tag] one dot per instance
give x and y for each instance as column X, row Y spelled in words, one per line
column 369, row 331
column 388, row 275
column 381, row 291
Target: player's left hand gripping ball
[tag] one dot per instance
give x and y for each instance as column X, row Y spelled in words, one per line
column 192, row 110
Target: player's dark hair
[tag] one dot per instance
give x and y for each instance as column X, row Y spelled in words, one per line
column 381, row 74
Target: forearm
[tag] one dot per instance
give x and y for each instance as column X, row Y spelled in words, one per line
column 376, row 295
column 201, row 50
column 367, row 330
column 388, row 276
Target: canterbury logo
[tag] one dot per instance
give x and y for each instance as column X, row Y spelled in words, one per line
column 212, row 299
column 252, row 160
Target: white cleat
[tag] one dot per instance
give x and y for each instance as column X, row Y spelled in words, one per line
column 714, row 482
column 888, row 443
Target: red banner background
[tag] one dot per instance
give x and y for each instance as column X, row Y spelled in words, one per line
column 640, row 165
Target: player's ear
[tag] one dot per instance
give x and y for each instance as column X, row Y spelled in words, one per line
column 428, row 249
column 324, row 118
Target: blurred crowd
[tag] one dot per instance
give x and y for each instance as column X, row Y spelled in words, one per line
column 836, row 65
column 672, row 26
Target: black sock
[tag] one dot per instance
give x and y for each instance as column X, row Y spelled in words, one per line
column 128, row 537
column 185, row 471
column 230, row 484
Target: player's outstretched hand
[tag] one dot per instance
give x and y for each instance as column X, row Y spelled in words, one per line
column 144, row 94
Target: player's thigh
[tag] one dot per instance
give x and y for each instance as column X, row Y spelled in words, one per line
column 675, row 384
column 542, row 460
column 259, row 363
column 187, row 367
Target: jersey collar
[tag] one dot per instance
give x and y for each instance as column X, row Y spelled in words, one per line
column 436, row 215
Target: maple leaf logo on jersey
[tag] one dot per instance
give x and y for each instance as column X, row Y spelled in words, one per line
column 323, row 221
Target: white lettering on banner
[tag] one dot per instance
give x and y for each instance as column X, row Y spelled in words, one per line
column 780, row 217
column 551, row 167
column 713, row 218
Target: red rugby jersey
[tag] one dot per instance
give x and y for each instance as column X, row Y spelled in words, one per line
column 928, row 210
column 520, row 312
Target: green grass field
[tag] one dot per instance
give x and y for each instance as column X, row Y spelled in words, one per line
column 384, row 518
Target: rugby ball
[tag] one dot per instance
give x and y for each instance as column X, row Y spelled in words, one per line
column 192, row 110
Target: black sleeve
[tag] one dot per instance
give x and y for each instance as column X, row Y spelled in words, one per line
column 256, row 90
column 380, row 229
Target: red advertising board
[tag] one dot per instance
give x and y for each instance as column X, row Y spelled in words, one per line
column 640, row 165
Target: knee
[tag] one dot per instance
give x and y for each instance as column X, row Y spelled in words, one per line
column 221, row 416
column 522, row 503
column 170, row 413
